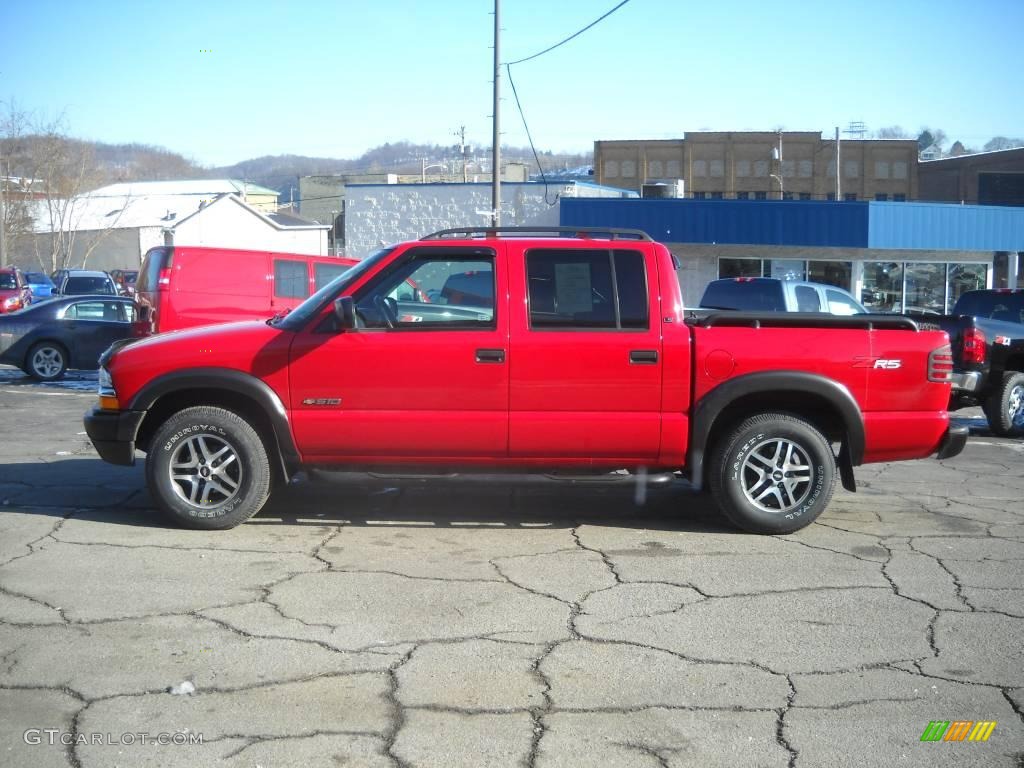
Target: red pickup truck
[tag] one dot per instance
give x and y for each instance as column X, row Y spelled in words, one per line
column 546, row 351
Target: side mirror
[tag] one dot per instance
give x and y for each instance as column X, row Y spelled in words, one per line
column 345, row 311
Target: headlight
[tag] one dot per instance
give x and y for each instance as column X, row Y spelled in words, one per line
column 108, row 395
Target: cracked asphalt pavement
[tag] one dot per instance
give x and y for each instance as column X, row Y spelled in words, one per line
column 368, row 623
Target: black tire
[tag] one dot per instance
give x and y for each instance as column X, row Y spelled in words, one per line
column 46, row 361
column 792, row 501
column 201, row 438
column 1004, row 408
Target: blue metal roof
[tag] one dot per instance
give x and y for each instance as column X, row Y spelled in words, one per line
column 919, row 226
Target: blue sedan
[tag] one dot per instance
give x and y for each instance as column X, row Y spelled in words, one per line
column 47, row 338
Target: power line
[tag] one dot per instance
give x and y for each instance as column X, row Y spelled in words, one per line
column 570, row 37
column 508, row 69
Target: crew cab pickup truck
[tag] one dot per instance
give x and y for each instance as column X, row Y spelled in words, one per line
column 772, row 294
column 987, row 334
column 526, row 351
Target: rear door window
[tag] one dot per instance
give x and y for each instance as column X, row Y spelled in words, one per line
column 753, row 295
column 841, row 304
column 291, row 279
column 107, row 311
column 807, row 299
column 587, row 289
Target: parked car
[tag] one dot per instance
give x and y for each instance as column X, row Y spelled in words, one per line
column 14, row 291
column 987, row 334
column 40, row 285
column 181, row 287
column 81, row 282
column 125, row 280
column 47, row 338
column 770, row 294
column 570, row 354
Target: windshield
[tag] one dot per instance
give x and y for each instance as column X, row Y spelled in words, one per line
column 38, row 278
column 299, row 316
column 83, row 285
column 7, row 280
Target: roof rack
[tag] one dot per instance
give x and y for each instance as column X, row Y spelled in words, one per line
column 610, row 233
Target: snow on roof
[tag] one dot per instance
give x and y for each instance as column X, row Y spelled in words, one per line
column 91, row 212
column 207, row 187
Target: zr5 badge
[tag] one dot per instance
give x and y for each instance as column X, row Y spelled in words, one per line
column 877, row 362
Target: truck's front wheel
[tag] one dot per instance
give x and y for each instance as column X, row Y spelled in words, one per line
column 1004, row 408
column 208, row 468
column 774, row 473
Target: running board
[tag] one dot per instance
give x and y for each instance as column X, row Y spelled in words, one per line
column 608, row 478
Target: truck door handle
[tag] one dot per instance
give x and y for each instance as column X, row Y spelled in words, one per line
column 643, row 356
column 490, row 355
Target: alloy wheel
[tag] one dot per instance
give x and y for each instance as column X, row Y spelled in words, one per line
column 205, row 471
column 776, row 475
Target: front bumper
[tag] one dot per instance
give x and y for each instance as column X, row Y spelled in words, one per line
column 953, row 442
column 113, row 434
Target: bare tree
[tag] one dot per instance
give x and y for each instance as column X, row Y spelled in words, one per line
column 1002, row 142
column 58, row 171
column 892, row 132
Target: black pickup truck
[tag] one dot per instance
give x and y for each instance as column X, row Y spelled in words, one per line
column 986, row 331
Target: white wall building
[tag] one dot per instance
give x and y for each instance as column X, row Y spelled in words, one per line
column 379, row 214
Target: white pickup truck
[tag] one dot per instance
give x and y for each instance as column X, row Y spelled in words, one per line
column 770, row 294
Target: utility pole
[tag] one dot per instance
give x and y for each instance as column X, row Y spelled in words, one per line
column 3, row 214
column 839, row 184
column 496, row 151
column 461, row 133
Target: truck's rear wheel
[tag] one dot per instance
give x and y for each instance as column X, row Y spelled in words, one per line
column 774, row 473
column 1004, row 408
column 208, row 468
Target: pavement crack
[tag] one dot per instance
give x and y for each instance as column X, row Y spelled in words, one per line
column 394, row 700
column 780, row 724
column 575, row 533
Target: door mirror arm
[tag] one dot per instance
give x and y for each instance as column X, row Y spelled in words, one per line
column 345, row 312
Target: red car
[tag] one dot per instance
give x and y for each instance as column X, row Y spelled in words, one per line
column 533, row 353
column 182, row 287
column 14, row 291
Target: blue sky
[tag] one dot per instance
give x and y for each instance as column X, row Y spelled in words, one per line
column 225, row 80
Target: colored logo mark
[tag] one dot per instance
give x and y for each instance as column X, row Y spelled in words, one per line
column 958, row 730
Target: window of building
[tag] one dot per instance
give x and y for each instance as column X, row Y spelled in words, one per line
column 700, row 195
column 963, row 278
column 883, row 286
column 700, row 168
column 832, row 196
column 611, row 169
column 788, row 169
column 787, row 195
column 899, row 170
column 673, row 169
column 850, row 196
column 742, row 195
column 760, row 195
column 881, row 196
column 739, row 267
column 742, row 168
column 655, row 169
column 805, row 195
column 881, row 169
column 806, row 169
column 899, row 197
column 717, row 168
column 837, row 273
column 576, row 289
column 830, row 169
column 291, row 279
column 761, row 168
column 788, row 269
column 716, row 195
column 851, row 169
column 628, row 169
column 807, row 299
column 924, row 288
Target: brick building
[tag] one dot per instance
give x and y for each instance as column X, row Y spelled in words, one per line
column 763, row 165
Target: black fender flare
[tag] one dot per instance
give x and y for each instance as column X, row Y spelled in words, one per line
column 710, row 407
column 227, row 380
